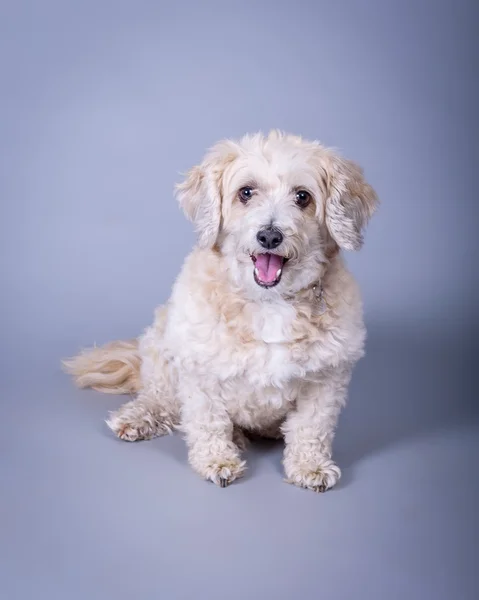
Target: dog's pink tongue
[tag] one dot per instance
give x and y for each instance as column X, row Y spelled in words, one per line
column 268, row 265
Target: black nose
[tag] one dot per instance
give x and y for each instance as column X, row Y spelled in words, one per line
column 269, row 237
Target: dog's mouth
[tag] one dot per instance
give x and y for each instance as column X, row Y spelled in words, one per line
column 268, row 269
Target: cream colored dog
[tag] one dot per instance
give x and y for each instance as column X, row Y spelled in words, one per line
column 264, row 324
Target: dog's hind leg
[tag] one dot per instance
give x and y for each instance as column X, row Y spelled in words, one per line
column 142, row 419
column 155, row 411
column 240, row 438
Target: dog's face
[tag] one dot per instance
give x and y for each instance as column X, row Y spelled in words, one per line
column 276, row 207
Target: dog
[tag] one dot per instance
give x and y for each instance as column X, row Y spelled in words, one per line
column 264, row 324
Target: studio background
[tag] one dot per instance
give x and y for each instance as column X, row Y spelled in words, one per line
column 103, row 106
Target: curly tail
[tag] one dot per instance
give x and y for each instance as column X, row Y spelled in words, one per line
column 112, row 369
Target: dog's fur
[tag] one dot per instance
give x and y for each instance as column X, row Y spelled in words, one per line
column 227, row 357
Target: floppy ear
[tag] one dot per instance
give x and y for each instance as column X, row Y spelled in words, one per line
column 200, row 195
column 350, row 201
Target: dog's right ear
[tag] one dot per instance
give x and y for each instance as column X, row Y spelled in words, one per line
column 200, row 194
column 349, row 199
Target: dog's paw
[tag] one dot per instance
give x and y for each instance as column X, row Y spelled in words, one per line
column 321, row 478
column 133, row 423
column 223, row 472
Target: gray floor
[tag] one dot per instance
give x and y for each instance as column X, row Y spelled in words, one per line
column 87, row 516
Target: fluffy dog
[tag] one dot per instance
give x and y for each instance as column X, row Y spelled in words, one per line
column 264, row 324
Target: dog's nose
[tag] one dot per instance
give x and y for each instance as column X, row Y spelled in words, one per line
column 269, row 237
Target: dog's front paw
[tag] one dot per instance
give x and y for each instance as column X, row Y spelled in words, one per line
column 221, row 470
column 319, row 478
column 223, row 473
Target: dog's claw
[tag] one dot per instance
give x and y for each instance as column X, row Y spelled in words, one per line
column 225, row 472
column 318, row 480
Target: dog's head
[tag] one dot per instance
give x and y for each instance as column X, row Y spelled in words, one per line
column 277, row 207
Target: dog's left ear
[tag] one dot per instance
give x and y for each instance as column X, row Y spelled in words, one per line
column 200, row 195
column 350, row 201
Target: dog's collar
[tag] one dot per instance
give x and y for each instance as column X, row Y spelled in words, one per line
column 318, row 292
column 318, row 288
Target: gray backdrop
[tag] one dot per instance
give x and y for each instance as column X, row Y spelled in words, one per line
column 103, row 104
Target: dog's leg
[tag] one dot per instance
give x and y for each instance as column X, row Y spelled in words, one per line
column 155, row 411
column 142, row 419
column 210, row 436
column 309, row 432
column 240, row 438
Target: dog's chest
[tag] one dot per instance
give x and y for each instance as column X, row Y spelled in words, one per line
column 270, row 355
column 271, row 323
column 261, row 345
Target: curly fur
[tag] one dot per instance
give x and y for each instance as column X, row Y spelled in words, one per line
column 226, row 356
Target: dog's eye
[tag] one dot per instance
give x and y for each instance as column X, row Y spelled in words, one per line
column 245, row 194
column 303, row 198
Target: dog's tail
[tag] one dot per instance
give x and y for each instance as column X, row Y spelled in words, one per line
column 112, row 369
